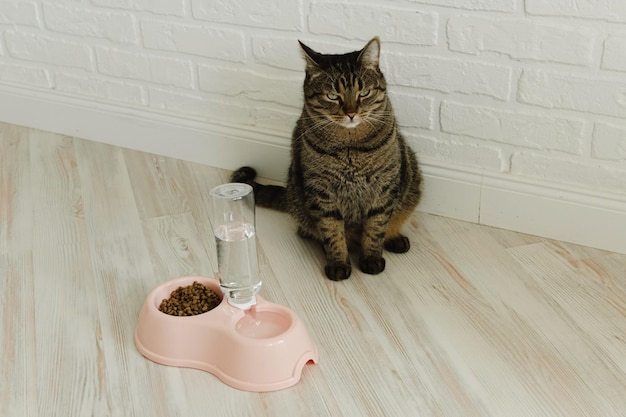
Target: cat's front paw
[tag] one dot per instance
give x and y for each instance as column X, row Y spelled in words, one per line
column 398, row 244
column 372, row 264
column 338, row 271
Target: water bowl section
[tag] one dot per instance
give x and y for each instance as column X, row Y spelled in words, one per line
column 263, row 324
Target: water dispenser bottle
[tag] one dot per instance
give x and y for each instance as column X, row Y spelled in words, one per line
column 234, row 229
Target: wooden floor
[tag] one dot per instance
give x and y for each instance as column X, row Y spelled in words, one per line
column 473, row 321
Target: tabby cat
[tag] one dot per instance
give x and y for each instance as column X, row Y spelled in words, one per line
column 352, row 176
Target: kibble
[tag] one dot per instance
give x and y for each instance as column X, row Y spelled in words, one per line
column 190, row 300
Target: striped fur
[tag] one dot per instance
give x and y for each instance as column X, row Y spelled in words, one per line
column 352, row 176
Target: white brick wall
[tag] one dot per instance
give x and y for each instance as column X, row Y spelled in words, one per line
column 19, row 12
column 522, row 38
column 535, row 88
column 29, row 45
column 532, row 130
column 611, row 10
column 401, row 25
column 118, row 27
column 223, row 44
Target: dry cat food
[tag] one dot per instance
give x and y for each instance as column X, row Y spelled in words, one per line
column 190, row 300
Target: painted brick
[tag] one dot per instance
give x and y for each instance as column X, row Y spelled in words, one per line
column 115, row 26
column 285, row 53
column 448, row 75
column 493, row 5
column 521, row 39
column 598, row 175
column 612, row 10
column 514, row 128
column 613, row 57
column 226, row 44
column 164, row 7
column 564, row 91
column 609, row 141
column 24, row 74
column 110, row 90
column 152, row 68
column 177, row 102
column 232, row 82
column 413, row 110
column 18, row 13
column 198, row 106
column 51, row 50
column 276, row 119
column 458, row 150
column 285, row 15
column 362, row 21
column 278, row 52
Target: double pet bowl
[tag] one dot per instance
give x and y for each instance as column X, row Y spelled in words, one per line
column 261, row 350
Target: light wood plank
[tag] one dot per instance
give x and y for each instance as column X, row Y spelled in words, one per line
column 67, row 325
column 524, row 333
column 162, row 186
column 18, row 390
column 176, row 247
column 123, row 274
column 591, row 296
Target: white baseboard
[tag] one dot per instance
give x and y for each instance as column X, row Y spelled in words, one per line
column 554, row 211
column 148, row 131
column 500, row 200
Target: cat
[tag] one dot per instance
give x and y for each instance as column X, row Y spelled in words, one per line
column 352, row 176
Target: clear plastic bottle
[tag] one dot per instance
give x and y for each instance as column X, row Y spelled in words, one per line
column 233, row 223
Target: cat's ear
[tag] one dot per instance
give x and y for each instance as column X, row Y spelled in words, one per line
column 370, row 54
column 313, row 59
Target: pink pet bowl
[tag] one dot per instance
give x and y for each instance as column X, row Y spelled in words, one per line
column 261, row 351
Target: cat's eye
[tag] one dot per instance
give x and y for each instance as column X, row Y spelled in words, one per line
column 332, row 96
column 364, row 93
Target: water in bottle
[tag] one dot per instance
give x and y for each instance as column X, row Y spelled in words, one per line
column 237, row 260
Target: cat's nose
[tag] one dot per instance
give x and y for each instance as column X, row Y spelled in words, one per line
column 351, row 116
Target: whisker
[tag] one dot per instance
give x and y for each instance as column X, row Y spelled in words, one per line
column 316, row 125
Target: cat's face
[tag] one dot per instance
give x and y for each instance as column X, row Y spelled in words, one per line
column 345, row 90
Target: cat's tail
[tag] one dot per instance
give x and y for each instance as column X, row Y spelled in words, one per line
column 271, row 196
